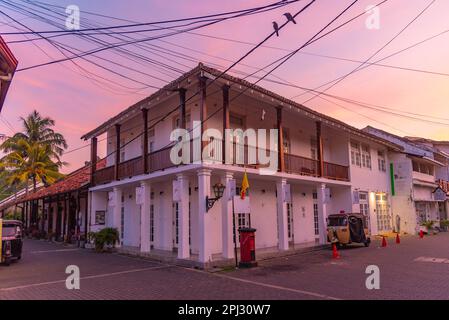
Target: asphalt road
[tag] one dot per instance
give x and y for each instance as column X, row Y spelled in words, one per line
column 415, row 269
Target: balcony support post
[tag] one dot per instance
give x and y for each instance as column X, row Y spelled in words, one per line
column 226, row 121
column 182, row 108
column 93, row 159
column 203, row 111
column 117, row 151
column 279, row 126
column 145, row 140
column 319, row 141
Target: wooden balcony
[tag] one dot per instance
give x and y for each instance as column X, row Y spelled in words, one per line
column 301, row 165
column 160, row 160
column 336, row 171
column 130, row 168
column 104, row 175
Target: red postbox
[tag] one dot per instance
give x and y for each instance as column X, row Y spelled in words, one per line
column 247, row 248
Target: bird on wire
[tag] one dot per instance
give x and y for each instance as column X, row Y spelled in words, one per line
column 276, row 28
column 289, row 17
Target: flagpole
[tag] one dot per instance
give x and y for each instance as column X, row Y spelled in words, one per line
column 235, row 234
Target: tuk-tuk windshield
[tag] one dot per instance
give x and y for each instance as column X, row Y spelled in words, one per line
column 337, row 221
column 10, row 230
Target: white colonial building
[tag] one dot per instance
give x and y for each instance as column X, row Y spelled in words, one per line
column 324, row 166
column 419, row 177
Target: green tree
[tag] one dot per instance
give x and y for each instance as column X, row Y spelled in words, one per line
column 31, row 161
column 33, row 154
column 37, row 129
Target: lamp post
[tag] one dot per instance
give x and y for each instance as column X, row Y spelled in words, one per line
column 218, row 192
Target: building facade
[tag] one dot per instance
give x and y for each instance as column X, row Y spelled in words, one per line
column 419, row 176
column 323, row 166
column 8, row 66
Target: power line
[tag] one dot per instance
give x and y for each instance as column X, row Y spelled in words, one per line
column 377, row 51
column 117, row 45
column 217, row 15
column 216, row 78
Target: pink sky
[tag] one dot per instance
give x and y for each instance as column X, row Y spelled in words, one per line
column 79, row 105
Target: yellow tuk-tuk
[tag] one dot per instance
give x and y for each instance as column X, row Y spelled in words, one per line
column 347, row 228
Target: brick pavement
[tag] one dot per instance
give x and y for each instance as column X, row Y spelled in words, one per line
column 314, row 275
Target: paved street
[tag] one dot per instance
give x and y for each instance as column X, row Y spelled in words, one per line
column 404, row 274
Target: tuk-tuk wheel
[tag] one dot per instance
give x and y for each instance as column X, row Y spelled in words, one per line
column 19, row 257
column 367, row 243
column 7, row 262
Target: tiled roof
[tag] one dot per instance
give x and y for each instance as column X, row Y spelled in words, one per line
column 72, row 182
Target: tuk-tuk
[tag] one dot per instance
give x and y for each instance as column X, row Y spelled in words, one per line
column 347, row 228
column 11, row 235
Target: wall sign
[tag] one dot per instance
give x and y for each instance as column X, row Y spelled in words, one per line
column 439, row 194
column 139, row 195
column 287, row 194
column 100, row 217
column 111, row 199
column 176, row 191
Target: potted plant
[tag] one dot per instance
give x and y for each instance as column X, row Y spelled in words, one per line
column 106, row 237
column 444, row 224
column 428, row 225
column 90, row 243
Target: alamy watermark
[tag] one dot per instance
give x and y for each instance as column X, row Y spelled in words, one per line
column 72, row 22
column 72, row 282
column 372, row 22
column 373, row 280
column 241, row 147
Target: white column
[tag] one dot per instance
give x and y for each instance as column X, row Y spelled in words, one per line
column 145, row 243
column 226, row 218
column 282, row 215
column 183, row 218
column 116, row 211
column 322, row 212
column 203, row 191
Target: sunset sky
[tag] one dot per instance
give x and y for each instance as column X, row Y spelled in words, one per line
column 79, row 104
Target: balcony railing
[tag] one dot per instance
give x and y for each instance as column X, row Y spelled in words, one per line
column 160, row 160
column 336, row 171
column 104, row 175
column 130, row 168
column 301, row 165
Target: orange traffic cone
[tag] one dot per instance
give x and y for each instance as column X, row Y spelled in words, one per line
column 384, row 242
column 335, row 254
column 421, row 234
column 398, row 240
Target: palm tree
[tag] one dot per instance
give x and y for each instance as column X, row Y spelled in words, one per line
column 37, row 129
column 33, row 154
column 32, row 161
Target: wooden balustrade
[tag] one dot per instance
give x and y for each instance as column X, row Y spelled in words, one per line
column 130, row 168
column 336, row 171
column 160, row 160
column 104, row 175
column 301, row 165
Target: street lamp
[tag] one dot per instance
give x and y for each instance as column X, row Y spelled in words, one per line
column 218, row 192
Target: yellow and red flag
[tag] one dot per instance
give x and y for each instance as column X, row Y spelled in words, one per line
column 245, row 186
